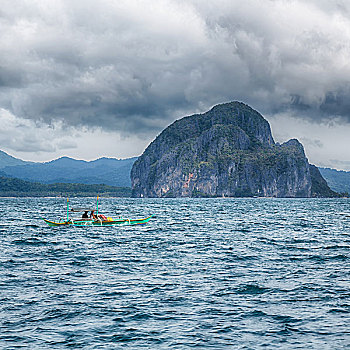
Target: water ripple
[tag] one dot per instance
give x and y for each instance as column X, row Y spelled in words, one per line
column 204, row 273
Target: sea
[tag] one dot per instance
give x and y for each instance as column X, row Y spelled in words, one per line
column 224, row 273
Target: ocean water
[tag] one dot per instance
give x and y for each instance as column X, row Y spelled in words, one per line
column 204, row 273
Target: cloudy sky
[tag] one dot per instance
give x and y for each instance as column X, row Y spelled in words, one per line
column 103, row 77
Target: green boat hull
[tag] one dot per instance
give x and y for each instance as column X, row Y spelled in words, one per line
column 119, row 222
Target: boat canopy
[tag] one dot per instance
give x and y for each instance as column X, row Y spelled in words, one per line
column 82, row 209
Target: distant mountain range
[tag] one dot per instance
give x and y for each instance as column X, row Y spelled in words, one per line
column 108, row 171
column 7, row 160
column 338, row 180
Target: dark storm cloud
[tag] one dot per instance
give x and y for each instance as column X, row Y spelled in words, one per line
column 134, row 66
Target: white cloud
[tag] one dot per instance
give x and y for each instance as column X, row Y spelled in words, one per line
column 326, row 144
column 132, row 67
column 30, row 140
column 23, row 135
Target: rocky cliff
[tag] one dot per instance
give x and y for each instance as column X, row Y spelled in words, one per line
column 228, row 151
column 319, row 186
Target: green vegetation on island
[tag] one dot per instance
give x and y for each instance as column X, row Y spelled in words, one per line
column 13, row 187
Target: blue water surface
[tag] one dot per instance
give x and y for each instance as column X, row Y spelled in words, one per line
column 204, row 273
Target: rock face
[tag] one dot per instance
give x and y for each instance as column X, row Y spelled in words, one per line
column 319, row 186
column 228, row 151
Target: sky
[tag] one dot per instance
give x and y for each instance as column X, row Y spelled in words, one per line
column 88, row 79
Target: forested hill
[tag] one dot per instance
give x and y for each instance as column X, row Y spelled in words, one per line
column 109, row 171
column 338, row 180
column 7, row 160
column 13, row 187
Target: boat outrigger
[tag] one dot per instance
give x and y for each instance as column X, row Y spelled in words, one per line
column 94, row 219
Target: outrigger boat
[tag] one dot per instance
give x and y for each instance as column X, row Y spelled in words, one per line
column 95, row 220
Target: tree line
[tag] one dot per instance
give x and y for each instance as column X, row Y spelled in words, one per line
column 13, row 187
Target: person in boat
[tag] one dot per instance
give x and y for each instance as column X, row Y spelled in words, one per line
column 93, row 215
column 85, row 215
